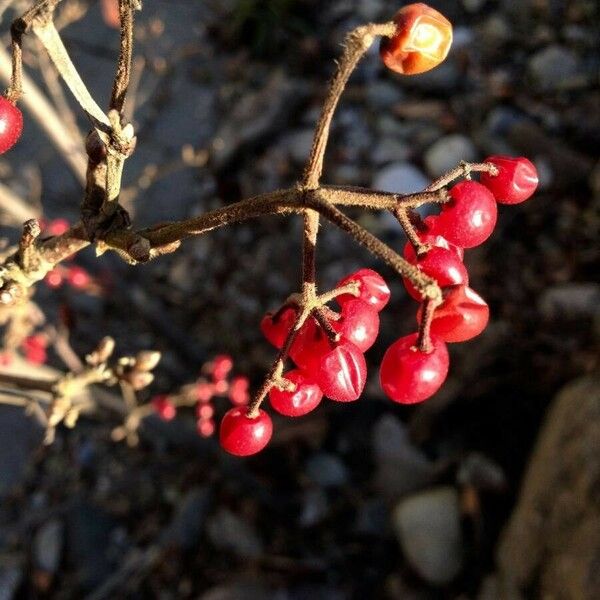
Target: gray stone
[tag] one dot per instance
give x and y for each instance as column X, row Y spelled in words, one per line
column 554, row 68
column 571, row 301
column 48, row 545
column 400, row 178
column 227, row 531
column 400, row 466
column 447, row 153
column 388, row 150
column 327, row 470
column 314, row 507
column 428, row 528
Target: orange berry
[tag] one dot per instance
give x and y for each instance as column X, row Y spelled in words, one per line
column 422, row 40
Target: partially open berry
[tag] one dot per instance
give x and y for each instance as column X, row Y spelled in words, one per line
column 469, row 218
column 358, row 324
column 441, row 264
column 309, row 346
column 372, row 288
column 431, row 239
column 11, row 124
column 276, row 327
column 422, row 40
column 342, row 373
column 302, row 400
column 462, row 316
column 516, row 181
column 164, row 408
column 408, row 375
column 242, row 435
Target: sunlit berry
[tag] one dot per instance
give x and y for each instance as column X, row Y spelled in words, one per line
column 164, row 407
column 242, row 435
column 421, row 42
column 310, row 345
column 462, row 316
column 305, row 398
column 433, row 240
column 516, row 181
column 409, row 375
column 442, row 265
column 359, row 324
column 371, row 286
column 11, row 124
column 342, row 373
column 469, row 218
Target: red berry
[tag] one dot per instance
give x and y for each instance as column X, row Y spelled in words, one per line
column 310, row 345
column 34, row 348
column 469, row 218
column 301, row 401
column 516, row 181
column 204, row 411
column 57, row 227
column 204, row 391
column 408, row 375
column 432, row 239
column 221, row 366
column 441, row 264
column 462, row 316
column 241, row 435
column 276, row 327
column 5, row 359
column 205, row 427
column 164, row 408
column 342, row 373
column 11, row 124
column 358, row 324
column 421, row 42
column 78, row 277
column 372, row 289
column 54, row 279
column 238, row 391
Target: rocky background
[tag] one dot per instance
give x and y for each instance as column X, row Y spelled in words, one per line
column 368, row 500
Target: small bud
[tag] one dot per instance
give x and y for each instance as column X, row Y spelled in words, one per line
column 146, row 360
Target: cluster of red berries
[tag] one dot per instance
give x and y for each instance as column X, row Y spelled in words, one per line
column 34, row 348
column 217, row 383
column 409, row 373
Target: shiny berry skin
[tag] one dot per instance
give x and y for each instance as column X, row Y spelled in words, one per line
column 275, row 327
column 516, row 181
column 441, row 264
column 358, row 324
column 164, row 408
column 422, row 40
column 372, row 289
column 407, row 375
column 242, row 435
column 463, row 315
column 469, row 218
column 309, row 346
column 303, row 400
column 432, row 239
column 342, row 373
column 11, row 124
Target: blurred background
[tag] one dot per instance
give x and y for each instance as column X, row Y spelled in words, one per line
column 365, row 500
